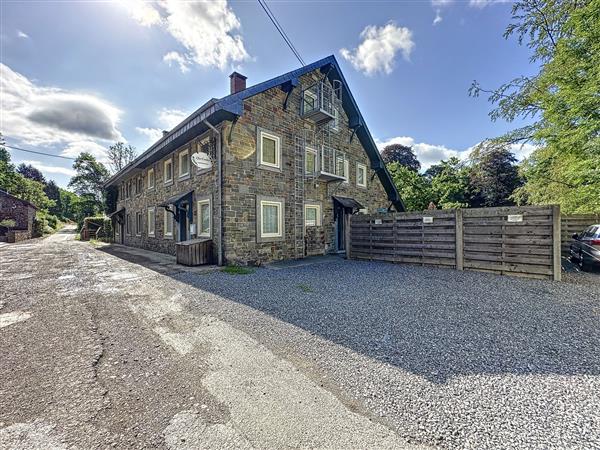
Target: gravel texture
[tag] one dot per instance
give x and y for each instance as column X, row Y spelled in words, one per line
column 446, row 358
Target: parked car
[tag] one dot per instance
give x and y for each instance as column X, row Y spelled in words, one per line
column 585, row 248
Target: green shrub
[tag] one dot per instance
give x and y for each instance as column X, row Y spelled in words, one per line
column 40, row 225
column 99, row 227
column 52, row 221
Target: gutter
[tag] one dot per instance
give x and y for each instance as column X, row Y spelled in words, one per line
column 220, row 191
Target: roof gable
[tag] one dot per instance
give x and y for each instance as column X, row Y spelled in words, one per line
column 232, row 106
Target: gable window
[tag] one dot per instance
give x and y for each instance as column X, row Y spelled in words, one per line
column 204, row 217
column 151, row 221
column 151, row 179
column 168, row 224
column 335, row 123
column 138, row 224
column 309, row 101
column 168, row 171
column 311, row 160
column 184, row 164
column 269, row 218
column 312, row 215
column 361, row 175
column 269, row 150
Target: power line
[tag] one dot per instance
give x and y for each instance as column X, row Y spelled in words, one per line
column 38, row 153
column 287, row 40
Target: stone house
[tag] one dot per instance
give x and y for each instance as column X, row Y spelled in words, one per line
column 268, row 172
column 22, row 212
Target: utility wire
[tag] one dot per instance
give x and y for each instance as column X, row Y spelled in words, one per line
column 38, row 153
column 283, row 34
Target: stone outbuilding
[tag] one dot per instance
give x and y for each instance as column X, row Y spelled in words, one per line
column 22, row 212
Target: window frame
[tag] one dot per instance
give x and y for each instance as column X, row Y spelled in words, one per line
column 151, row 171
column 140, row 225
column 168, row 217
column 261, row 202
column 152, row 222
column 363, row 167
column 185, row 153
column 316, row 153
column 259, row 146
column 128, row 224
column 165, row 163
column 318, row 218
column 199, row 204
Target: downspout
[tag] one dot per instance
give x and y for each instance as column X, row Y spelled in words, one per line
column 220, row 192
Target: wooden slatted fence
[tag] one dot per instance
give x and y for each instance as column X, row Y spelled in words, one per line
column 574, row 223
column 520, row 241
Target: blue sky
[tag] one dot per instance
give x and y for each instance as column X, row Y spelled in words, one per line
column 79, row 75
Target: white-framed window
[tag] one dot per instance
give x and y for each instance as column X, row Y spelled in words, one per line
column 151, row 179
column 168, row 171
column 168, row 224
column 361, row 175
column 151, row 221
column 312, row 215
column 309, row 101
column 363, row 211
column 335, row 122
column 342, row 167
column 269, row 150
column 138, row 224
column 204, row 217
column 184, row 163
column 311, row 163
column 271, row 219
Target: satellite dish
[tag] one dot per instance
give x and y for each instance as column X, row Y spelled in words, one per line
column 201, row 160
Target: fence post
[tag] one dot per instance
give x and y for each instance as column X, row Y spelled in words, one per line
column 347, row 225
column 460, row 253
column 556, row 242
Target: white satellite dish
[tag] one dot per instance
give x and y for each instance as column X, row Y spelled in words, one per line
column 201, row 160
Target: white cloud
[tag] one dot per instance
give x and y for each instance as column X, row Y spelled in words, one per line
column 179, row 59
column 39, row 115
column 143, row 12
column 49, row 169
column 22, row 34
column 166, row 120
column 484, row 3
column 438, row 17
column 429, row 154
column 439, row 3
column 207, row 30
column 73, row 149
column 377, row 51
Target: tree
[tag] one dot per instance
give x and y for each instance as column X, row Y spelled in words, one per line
column 89, row 177
column 119, row 155
column 493, row 175
column 31, row 191
column 52, row 191
column 405, row 156
column 414, row 189
column 560, row 102
column 28, row 171
column 450, row 185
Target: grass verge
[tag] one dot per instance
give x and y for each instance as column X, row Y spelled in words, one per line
column 237, row 270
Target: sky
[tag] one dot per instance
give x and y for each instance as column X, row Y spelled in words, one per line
column 79, row 75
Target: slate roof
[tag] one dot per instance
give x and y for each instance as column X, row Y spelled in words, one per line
column 231, row 106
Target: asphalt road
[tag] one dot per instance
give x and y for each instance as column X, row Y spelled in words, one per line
column 99, row 352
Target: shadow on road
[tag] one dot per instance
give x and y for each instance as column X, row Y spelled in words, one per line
column 436, row 323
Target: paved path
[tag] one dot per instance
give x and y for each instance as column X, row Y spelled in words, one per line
column 98, row 352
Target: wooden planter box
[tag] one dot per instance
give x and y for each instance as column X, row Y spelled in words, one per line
column 194, row 252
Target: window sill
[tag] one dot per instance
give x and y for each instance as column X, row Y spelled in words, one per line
column 168, row 182
column 270, row 168
column 183, row 177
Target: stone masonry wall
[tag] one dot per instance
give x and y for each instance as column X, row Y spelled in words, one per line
column 244, row 181
column 21, row 212
column 204, row 184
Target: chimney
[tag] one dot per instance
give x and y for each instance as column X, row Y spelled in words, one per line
column 237, row 82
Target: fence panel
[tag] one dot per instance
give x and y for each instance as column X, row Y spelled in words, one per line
column 574, row 223
column 520, row 241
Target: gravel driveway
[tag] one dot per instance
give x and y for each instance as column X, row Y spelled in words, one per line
column 98, row 351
